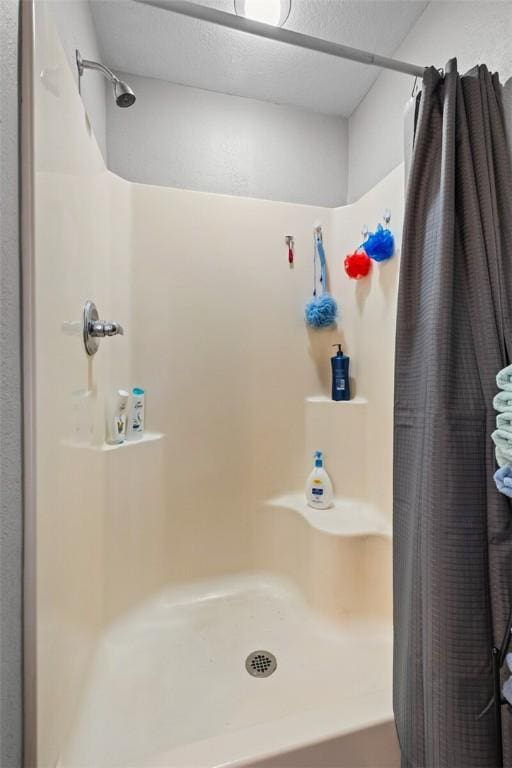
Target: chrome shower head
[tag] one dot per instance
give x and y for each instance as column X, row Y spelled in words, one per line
column 123, row 94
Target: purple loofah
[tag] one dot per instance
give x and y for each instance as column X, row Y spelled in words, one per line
column 380, row 244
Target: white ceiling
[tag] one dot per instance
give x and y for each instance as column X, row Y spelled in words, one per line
column 152, row 42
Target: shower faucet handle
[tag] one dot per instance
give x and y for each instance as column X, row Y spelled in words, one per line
column 101, row 328
column 95, row 329
column 114, row 329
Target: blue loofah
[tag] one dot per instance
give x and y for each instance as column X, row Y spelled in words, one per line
column 380, row 244
column 321, row 311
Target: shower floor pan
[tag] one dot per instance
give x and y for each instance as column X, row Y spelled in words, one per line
column 169, row 687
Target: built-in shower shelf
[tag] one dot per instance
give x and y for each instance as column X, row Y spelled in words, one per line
column 327, row 401
column 340, row 431
column 147, row 437
column 347, row 517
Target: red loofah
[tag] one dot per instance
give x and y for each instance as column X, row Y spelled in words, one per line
column 357, row 265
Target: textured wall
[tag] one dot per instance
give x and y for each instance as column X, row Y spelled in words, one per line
column 213, row 58
column 474, row 32
column 10, row 399
column 265, row 150
column 202, row 140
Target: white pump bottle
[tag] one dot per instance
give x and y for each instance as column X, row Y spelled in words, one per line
column 319, row 491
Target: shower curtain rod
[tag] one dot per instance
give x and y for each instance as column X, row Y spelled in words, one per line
column 204, row 13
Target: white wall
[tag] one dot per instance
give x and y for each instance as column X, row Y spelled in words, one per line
column 10, row 399
column 75, row 26
column 474, row 32
column 200, row 140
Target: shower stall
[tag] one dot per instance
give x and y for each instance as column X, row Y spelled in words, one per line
column 184, row 606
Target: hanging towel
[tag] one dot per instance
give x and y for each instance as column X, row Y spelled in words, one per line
column 503, row 480
column 507, row 690
column 501, row 459
column 502, row 438
column 503, row 401
column 507, row 685
column 504, row 421
column 504, row 379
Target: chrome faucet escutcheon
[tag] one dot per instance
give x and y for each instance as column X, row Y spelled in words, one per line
column 95, row 329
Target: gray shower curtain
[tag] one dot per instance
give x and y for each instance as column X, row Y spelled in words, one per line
column 452, row 529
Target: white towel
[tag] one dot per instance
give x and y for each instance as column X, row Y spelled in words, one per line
column 504, row 421
column 503, row 401
column 502, row 438
column 501, row 459
column 504, row 379
column 507, row 690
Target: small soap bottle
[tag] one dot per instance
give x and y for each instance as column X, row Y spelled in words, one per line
column 136, row 419
column 340, row 380
column 117, row 421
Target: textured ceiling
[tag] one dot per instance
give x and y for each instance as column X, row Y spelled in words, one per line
column 152, row 42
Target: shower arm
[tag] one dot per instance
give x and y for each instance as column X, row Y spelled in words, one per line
column 88, row 64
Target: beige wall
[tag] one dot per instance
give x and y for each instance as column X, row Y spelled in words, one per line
column 221, row 345
column 369, row 312
column 76, row 250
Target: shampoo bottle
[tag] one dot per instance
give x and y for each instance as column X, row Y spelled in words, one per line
column 136, row 421
column 340, row 380
column 319, row 491
column 117, row 421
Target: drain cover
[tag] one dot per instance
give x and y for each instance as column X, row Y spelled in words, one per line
column 261, row 663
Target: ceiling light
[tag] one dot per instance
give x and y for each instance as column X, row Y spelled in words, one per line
column 274, row 12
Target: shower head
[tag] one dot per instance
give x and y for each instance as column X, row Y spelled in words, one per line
column 123, row 94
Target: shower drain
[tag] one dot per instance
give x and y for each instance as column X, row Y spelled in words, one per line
column 261, row 663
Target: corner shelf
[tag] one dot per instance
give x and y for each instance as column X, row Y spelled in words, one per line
column 339, row 428
column 351, row 518
column 324, row 400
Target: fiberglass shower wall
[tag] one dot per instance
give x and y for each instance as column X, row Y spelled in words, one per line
column 220, row 341
column 238, row 394
column 81, row 243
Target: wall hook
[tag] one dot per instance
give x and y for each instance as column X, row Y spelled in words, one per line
column 290, row 242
